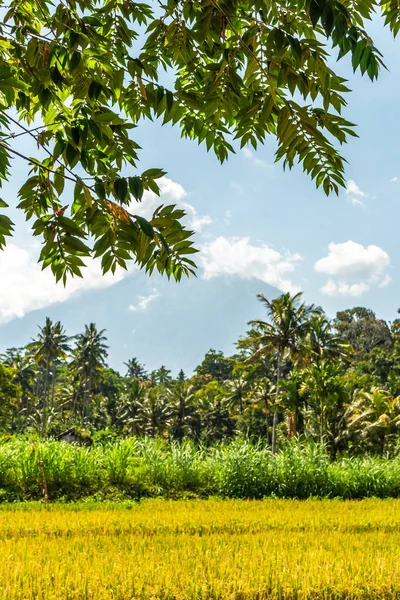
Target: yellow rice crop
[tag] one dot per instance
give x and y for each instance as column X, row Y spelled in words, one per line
column 203, row 549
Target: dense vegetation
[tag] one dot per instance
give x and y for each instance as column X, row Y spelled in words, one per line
column 143, row 468
column 294, row 375
column 214, row 550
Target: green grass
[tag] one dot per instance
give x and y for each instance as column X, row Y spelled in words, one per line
column 138, row 468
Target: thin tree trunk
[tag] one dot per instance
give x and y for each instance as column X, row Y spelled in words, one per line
column 291, row 424
column 75, row 400
column 53, row 386
column 275, row 419
column 46, row 396
column 267, row 427
column 46, row 384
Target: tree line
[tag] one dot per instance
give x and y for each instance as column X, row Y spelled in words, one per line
column 296, row 373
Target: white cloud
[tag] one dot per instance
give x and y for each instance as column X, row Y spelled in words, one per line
column 144, row 301
column 354, row 194
column 195, row 222
column 331, row 288
column 353, row 269
column 394, row 179
column 238, row 257
column 170, row 193
column 356, row 202
column 25, row 287
column 352, row 188
column 257, row 162
column 385, row 281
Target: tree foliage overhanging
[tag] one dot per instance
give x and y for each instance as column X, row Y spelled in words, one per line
column 296, row 374
column 79, row 75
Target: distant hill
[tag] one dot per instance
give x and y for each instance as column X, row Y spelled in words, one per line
column 176, row 329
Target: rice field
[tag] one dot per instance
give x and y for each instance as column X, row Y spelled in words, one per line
column 201, row 549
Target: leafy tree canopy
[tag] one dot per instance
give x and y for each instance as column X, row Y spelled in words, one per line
column 362, row 329
column 216, row 365
column 9, row 392
column 79, row 75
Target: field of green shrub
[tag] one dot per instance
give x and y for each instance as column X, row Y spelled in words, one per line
column 137, row 468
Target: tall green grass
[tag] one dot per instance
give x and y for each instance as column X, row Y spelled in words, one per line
column 136, row 468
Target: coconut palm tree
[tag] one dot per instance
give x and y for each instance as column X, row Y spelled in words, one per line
column 25, row 372
column 129, row 406
column 322, row 341
column 181, row 402
column 51, row 346
column 161, row 376
column 263, row 396
column 217, row 423
column 153, row 415
column 281, row 335
column 135, row 369
column 88, row 361
column 236, row 393
column 374, row 417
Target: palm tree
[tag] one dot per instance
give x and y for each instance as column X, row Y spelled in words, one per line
column 181, row 402
column 88, row 361
column 153, row 415
column 161, row 376
column 25, row 372
column 281, row 335
column 374, row 416
column 47, row 351
column 263, row 396
column 135, row 369
column 129, row 406
column 322, row 341
column 236, row 393
column 217, row 423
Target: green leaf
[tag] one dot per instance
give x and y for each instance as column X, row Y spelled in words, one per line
column 95, row 90
column 136, row 187
column 71, row 154
column 75, row 61
column 145, row 226
column 95, row 129
column 59, row 180
column 109, row 117
column 100, row 189
column 315, row 12
column 121, row 189
column 153, row 174
column 74, row 244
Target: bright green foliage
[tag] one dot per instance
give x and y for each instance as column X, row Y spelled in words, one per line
column 79, row 75
column 216, row 365
column 10, row 393
column 374, row 417
column 138, row 467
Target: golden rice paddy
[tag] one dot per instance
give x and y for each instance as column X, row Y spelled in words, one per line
column 210, row 549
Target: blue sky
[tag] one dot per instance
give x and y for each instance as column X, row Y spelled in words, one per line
column 259, row 230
